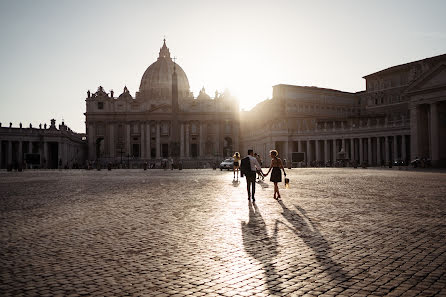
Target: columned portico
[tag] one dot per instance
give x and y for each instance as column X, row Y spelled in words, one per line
column 158, row 140
column 148, row 142
column 434, row 134
column 143, row 141
column 378, row 151
column 187, row 140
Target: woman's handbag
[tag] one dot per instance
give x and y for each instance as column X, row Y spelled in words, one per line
column 287, row 182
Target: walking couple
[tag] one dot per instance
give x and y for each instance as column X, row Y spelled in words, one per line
column 250, row 166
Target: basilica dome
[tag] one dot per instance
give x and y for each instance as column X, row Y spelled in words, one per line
column 157, row 79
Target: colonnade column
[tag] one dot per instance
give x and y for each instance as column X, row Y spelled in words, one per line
column 414, row 132
column 434, row 136
column 112, row 141
column 91, row 143
column 352, row 149
column 326, row 151
column 158, row 140
column 201, row 152
column 30, row 148
column 308, row 151
column 20, row 155
column 386, row 149
column 299, row 146
column 378, row 151
column 403, row 147
column 182, row 140
column 334, row 150
column 395, row 148
column 148, row 139
column 343, row 145
column 369, row 151
column 127, row 139
column 143, row 141
column 318, row 154
column 45, row 155
column 187, row 140
column 361, row 151
column 217, row 141
column 285, row 153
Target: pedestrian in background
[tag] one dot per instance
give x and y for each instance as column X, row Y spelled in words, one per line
column 236, row 166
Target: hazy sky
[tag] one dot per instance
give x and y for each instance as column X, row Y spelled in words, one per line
column 52, row 52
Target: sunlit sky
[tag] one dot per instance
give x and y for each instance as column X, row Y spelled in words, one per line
column 52, row 52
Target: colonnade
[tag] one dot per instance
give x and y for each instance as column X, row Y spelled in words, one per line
column 374, row 150
column 194, row 139
column 13, row 152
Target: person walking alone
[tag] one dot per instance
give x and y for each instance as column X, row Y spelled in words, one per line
column 236, row 166
column 249, row 167
column 276, row 174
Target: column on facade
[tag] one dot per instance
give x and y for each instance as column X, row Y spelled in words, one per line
column 318, row 153
column 352, row 149
column 148, row 139
column 326, row 151
column 361, row 151
column 111, row 143
column 395, row 147
column 334, row 150
column 369, row 151
column 127, row 139
column 286, row 151
column 158, row 140
column 20, row 154
column 182, row 141
column 403, row 147
column 343, row 145
column 187, row 140
column 378, row 151
column 201, row 152
column 386, row 149
column 299, row 146
column 217, row 140
column 91, row 143
column 60, row 154
column 45, row 155
column 30, row 148
column 308, row 151
column 143, row 141
column 434, row 134
column 414, row 114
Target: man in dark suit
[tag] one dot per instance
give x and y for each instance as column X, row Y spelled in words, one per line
column 249, row 166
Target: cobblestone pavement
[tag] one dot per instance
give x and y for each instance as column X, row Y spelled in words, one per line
column 337, row 232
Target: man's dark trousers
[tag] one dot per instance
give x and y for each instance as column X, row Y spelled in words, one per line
column 251, row 183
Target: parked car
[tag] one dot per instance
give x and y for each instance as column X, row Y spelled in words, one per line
column 399, row 163
column 227, row 164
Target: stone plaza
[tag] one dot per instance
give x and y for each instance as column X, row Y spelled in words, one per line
column 336, row 232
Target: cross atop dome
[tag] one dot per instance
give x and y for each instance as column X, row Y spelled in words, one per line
column 164, row 51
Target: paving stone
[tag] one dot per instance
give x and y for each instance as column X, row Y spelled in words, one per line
column 336, row 232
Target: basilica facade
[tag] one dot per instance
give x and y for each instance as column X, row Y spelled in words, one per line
column 162, row 121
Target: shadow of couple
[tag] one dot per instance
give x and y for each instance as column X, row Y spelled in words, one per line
column 264, row 247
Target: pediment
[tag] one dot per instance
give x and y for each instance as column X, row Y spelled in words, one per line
column 162, row 108
column 432, row 79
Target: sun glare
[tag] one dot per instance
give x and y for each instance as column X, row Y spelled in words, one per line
column 243, row 74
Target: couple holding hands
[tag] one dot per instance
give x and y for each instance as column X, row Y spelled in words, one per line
column 249, row 167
